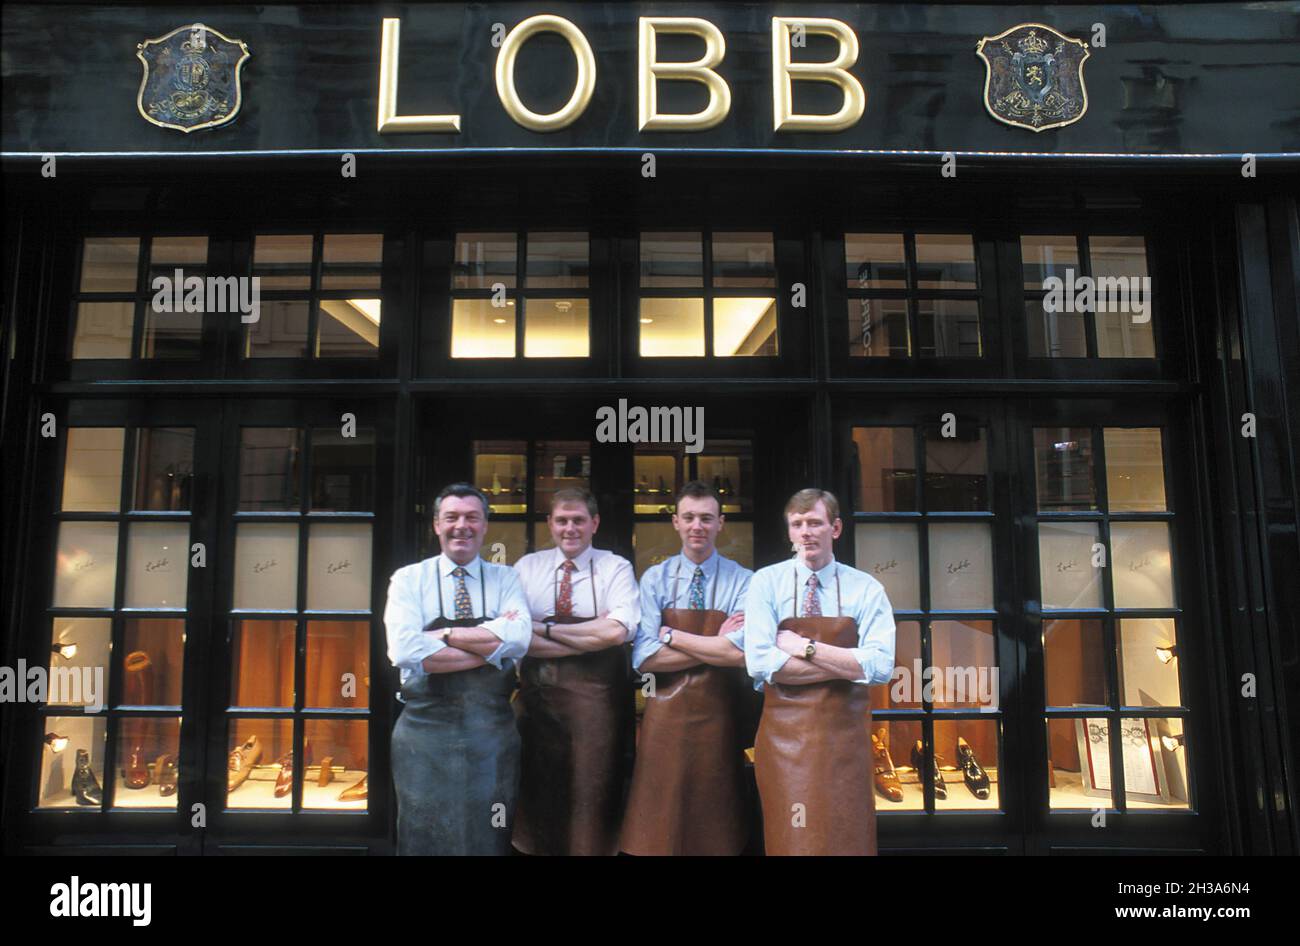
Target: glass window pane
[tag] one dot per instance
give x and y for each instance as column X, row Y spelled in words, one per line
column 875, row 260
column 266, row 566
column 961, row 566
column 956, row 470
column 889, row 553
column 728, row 465
column 68, row 743
column 190, row 253
column 736, row 542
column 154, row 663
column 338, row 665
column 1064, row 469
column 348, row 328
column 948, row 328
column 886, row 469
column 1143, row 565
column 336, row 762
column 657, row 479
column 500, row 471
column 86, row 566
column 103, row 330
column 744, row 327
column 338, row 567
column 1119, row 336
column 268, row 468
column 1055, row 334
column 342, row 470
column 257, row 748
column 1158, row 759
column 506, row 542
column 170, row 334
column 109, row 264
column 1118, row 256
column 878, row 328
column 1078, row 762
column 672, row 259
column 79, row 645
column 945, row 261
column 92, row 470
column 1044, row 256
column 904, row 689
column 1074, row 663
column 280, row 331
column 1148, row 665
column 164, row 468
column 557, row 261
column 974, row 740
column 262, row 661
column 148, row 753
column 157, row 565
column 556, row 328
column 1065, row 556
column 743, row 259
column 652, row 543
column 480, row 329
column 1124, row 313
column 352, row 261
column 672, row 328
column 483, row 259
column 964, row 656
column 1135, row 469
column 282, row 261
column 558, row 464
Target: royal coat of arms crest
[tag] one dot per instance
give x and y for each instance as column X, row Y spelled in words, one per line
column 191, row 78
column 1034, row 77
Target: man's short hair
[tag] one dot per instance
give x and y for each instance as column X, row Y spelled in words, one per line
column 698, row 489
column 805, row 499
column 575, row 494
column 460, row 489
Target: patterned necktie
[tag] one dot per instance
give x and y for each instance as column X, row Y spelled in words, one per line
column 812, row 605
column 564, row 602
column 464, row 608
column 695, row 594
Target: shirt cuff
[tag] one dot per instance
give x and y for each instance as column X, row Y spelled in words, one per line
column 871, row 672
column 495, row 658
column 429, row 646
column 629, row 619
column 778, row 660
column 644, row 650
column 737, row 638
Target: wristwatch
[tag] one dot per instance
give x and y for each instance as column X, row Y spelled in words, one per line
column 549, row 625
column 668, row 638
column 446, row 636
column 809, row 650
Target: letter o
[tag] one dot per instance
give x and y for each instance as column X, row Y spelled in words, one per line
column 505, row 73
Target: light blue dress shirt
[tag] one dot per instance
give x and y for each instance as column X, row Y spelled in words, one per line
column 771, row 599
column 494, row 593
column 725, row 584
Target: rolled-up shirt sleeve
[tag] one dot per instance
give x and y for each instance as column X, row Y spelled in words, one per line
column 875, row 650
column 625, row 599
column 513, row 623
column 762, row 657
column 647, row 642
column 737, row 637
column 408, row 644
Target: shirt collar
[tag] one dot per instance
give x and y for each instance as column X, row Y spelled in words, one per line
column 824, row 577
column 710, row 564
column 446, row 566
column 583, row 561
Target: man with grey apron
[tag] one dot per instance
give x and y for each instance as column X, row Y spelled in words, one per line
column 456, row 625
column 688, row 794
column 817, row 634
column 576, row 702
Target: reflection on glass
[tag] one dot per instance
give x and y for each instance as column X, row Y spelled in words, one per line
column 1164, row 765
column 342, row 470
column 557, row 261
column 1143, row 568
column 878, row 328
column 148, row 763
column 258, row 751
column 188, row 252
column 109, row 264
column 338, row 664
column 1055, row 334
column 672, row 259
column 655, row 480
column 1065, row 564
column 945, row 261
column 875, row 260
column 338, row 567
column 153, row 663
column 500, row 471
column 282, row 261
column 164, row 468
column 268, row 468
column 556, row 328
column 348, row 328
column 744, row 327
column 956, row 470
column 967, row 751
column 948, row 328
column 1148, row 665
column 728, row 466
column 170, row 334
column 157, row 565
column 1064, row 469
column 335, row 769
column 965, row 662
column 173, row 334
column 888, row 552
column 558, row 464
column 886, row 469
column 352, row 260
column 103, row 330
column 262, row 662
column 1135, row 469
column 1078, row 766
column 1074, row 663
column 483, row 259
column 77, row 644
column 1125, row 323
column 961, row 566
column 92, row 470
column 672, row 328
column 1044, row 256
column 266, row 566
column 280, row 330
column 72, row 762
column 480, row 329
column 86, row 565
column 744, row 259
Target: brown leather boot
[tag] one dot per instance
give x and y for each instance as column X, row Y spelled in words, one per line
column 887, row 782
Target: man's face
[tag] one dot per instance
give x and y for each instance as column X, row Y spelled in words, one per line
column 698, row 521
column 813, row 533
column 572, row 527
column 461, row 526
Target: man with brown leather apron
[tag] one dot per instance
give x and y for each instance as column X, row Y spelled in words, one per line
column 688, row 794
column 456, row 625
column 817, row 634
column 576, row 703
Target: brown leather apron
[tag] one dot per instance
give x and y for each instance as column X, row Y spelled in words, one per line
column 687, row 793
column 814, row 750
column 575, row 718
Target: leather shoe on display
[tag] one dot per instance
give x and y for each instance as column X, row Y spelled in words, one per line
column 977, row 780
column 326, row 771
column 284, row 781
column 137, row 773
column 85, row 787
column 355, row 792
column 918, row 763
column 886, row 778
column 242, row 761
column 164, row 773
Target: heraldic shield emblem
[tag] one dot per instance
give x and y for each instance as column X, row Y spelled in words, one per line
column 191, row 78
column 1034, row 77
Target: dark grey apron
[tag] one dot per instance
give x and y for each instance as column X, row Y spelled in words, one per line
column 455, row 753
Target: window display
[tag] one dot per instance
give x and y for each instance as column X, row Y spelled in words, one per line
column 157, row 565
column 86, row 568
column 72, row 762
column 92, row 479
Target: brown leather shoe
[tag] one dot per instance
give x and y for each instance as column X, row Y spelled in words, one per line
column 136, row 772
column 284, row 781
column 887, row 782
column 355, row 792
column 326, row 771
column 242, row 761
column 165, row 773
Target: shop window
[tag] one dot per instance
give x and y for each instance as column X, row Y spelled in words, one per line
column 121, row 582
column 707, row 295
column 1087, row 296
column 301, row 620
column 923, row 528
column 320, row 296
column 1110, row 612
column 912, row 295
column 497, row 311
column 519, row 477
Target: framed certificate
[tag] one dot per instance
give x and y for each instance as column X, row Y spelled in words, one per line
column 1144, row 774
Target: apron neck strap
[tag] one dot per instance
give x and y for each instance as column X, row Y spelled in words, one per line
column 839, row 601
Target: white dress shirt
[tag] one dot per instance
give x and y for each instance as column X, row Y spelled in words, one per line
column 668, row 584
column 615, row 586
column 494, row 593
